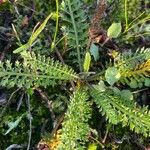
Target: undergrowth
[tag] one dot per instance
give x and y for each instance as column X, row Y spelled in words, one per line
column 75, row 82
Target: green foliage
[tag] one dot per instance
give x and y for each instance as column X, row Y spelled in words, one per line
column 134, row 8
column 112, row 75
column 116, row 110
column 34, row 71
column 129, row 68
column 87, row 62
column 94, row 51
column 103, row 90
column 75, row 28
column 33, row 37
column 75, row 128
column 19, row 135
column 114, row 30
column 13, row 125
column 92, row 147
column 126, row 95
column 133, row 67
column 134, row 15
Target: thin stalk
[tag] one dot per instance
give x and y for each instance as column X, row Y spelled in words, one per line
column 60, row 56
column 136, row 18
column 30, row 121
column 45, row 97
column 16, row 34
column 97, row 141
column 140, row 22
column 138, row 91
column 59, row 40
column 56, row 28
column 37, row 75
column 126, row 14
column 76, row 35
column 132, row 22
column 97, row 76
column 106, row 134
column 8, row 103
column 138, row 35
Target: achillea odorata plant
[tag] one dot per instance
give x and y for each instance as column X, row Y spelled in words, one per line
column 103, row 89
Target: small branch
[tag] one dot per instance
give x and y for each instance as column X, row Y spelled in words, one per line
column 106, row 134
column 140, row 90
column 8, row 103
column 61, row 59
column 141, row 146
column 59, row 55
column 105, row 137
column 16, row 146
column 43, row 126
column 2, row 54
column 59, row 120
column 97, row 141
column 20, row 101
column 48, row 102
column 30, row 121
column 126, row 14
column 56, row 28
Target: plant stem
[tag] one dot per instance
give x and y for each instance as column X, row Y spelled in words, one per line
column 9, row 73
column 44, row 96
column 136, row 18
column 30, row 121
column 139, row 22
column 8, row 103
column 126, row 14
column 56, row 28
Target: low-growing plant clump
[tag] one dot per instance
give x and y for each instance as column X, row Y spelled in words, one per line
column 78, row 79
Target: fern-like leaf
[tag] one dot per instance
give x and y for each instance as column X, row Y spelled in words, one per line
column 34, row 71
column 138, row 75
column 130, row 60
column 115, row 110
column 75, row 127
column 133, row 68
column 75, row 27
